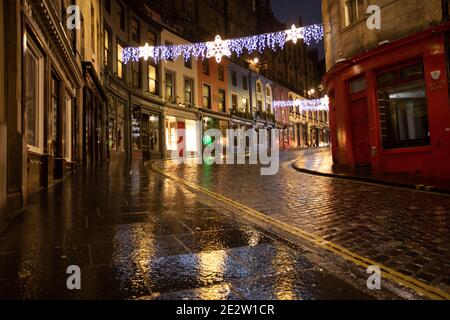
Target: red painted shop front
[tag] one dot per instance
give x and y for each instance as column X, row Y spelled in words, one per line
column 389, row 107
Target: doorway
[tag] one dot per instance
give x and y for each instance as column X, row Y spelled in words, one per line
column 360, row 132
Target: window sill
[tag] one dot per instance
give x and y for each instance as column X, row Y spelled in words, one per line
column 406, row 150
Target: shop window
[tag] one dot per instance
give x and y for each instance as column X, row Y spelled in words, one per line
column 34, row 78
column 153, row 133
column 206, row 96
column 53, row 116
column 222, row 101
column 116, row 126
column 171, row 133
column 67, row 125
column 189, row 91
column 191, row 136
column 354, row 11
column 403, row 108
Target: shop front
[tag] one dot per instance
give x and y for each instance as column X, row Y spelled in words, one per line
column 182, row 137
column 146, row 142
column 389, row 107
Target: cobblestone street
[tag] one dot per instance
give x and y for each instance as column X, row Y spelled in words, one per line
column 136, row 236
column 405, row 230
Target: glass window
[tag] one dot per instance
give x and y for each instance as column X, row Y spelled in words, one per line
column 205, row 65
column 135, row 30
column 234, row 102
column 121, row 13
column 188, row 91
column 53, row 123
column 233, row 78
column 259, row 87
column 403, row 107
column 221, row 73
column 135, row 74
column 32, row 98
column 358, row 85
column 354, row 10
column 206, row 96
column 107, row 48
column 222, row 101
column 120, row 65
column 170, row 84
column 152, row 81
column 259, row 105
column 188, row 63
column 245, row 83
column 404, row 115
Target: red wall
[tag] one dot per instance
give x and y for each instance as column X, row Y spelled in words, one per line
column 427, row 161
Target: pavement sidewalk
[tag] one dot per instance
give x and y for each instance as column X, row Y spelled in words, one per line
column 320, row 162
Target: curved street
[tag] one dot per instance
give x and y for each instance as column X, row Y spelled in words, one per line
column 136, row 234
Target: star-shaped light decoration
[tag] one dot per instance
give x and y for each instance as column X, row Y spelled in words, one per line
column 294, row 34
column 218, row 49
column 146, row 52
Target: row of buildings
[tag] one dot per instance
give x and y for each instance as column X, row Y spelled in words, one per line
column 67, row 99
column 389, row 87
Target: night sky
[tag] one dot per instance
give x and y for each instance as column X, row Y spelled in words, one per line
column 289, row 11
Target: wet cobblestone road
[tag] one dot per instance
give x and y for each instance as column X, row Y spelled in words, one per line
column 137, row 236
column 405, row 230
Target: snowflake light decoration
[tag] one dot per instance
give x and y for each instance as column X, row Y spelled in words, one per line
column 294, row 34
column 218, row 49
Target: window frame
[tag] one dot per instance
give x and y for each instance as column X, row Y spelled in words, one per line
column 173, row 86
column 39, row 102
column 397, row 83
column 209, row 105
column 191, row 81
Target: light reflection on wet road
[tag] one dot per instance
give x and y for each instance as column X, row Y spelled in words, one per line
column 136, row 236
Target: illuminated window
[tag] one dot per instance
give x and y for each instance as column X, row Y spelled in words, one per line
column 120, row 65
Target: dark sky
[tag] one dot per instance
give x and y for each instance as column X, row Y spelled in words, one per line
column 289, row 11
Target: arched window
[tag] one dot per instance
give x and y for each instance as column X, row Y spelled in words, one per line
column 259, row 98
column 269, row 99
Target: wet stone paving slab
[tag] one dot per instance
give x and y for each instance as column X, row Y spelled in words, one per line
column 137, row 236
column 406, row 230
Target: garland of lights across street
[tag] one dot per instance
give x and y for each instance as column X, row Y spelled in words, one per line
column 220, row 48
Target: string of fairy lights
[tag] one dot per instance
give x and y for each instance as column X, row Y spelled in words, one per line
column 220, row 48
column 305, row 105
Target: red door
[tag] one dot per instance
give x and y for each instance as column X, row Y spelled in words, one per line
column 360, row 126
